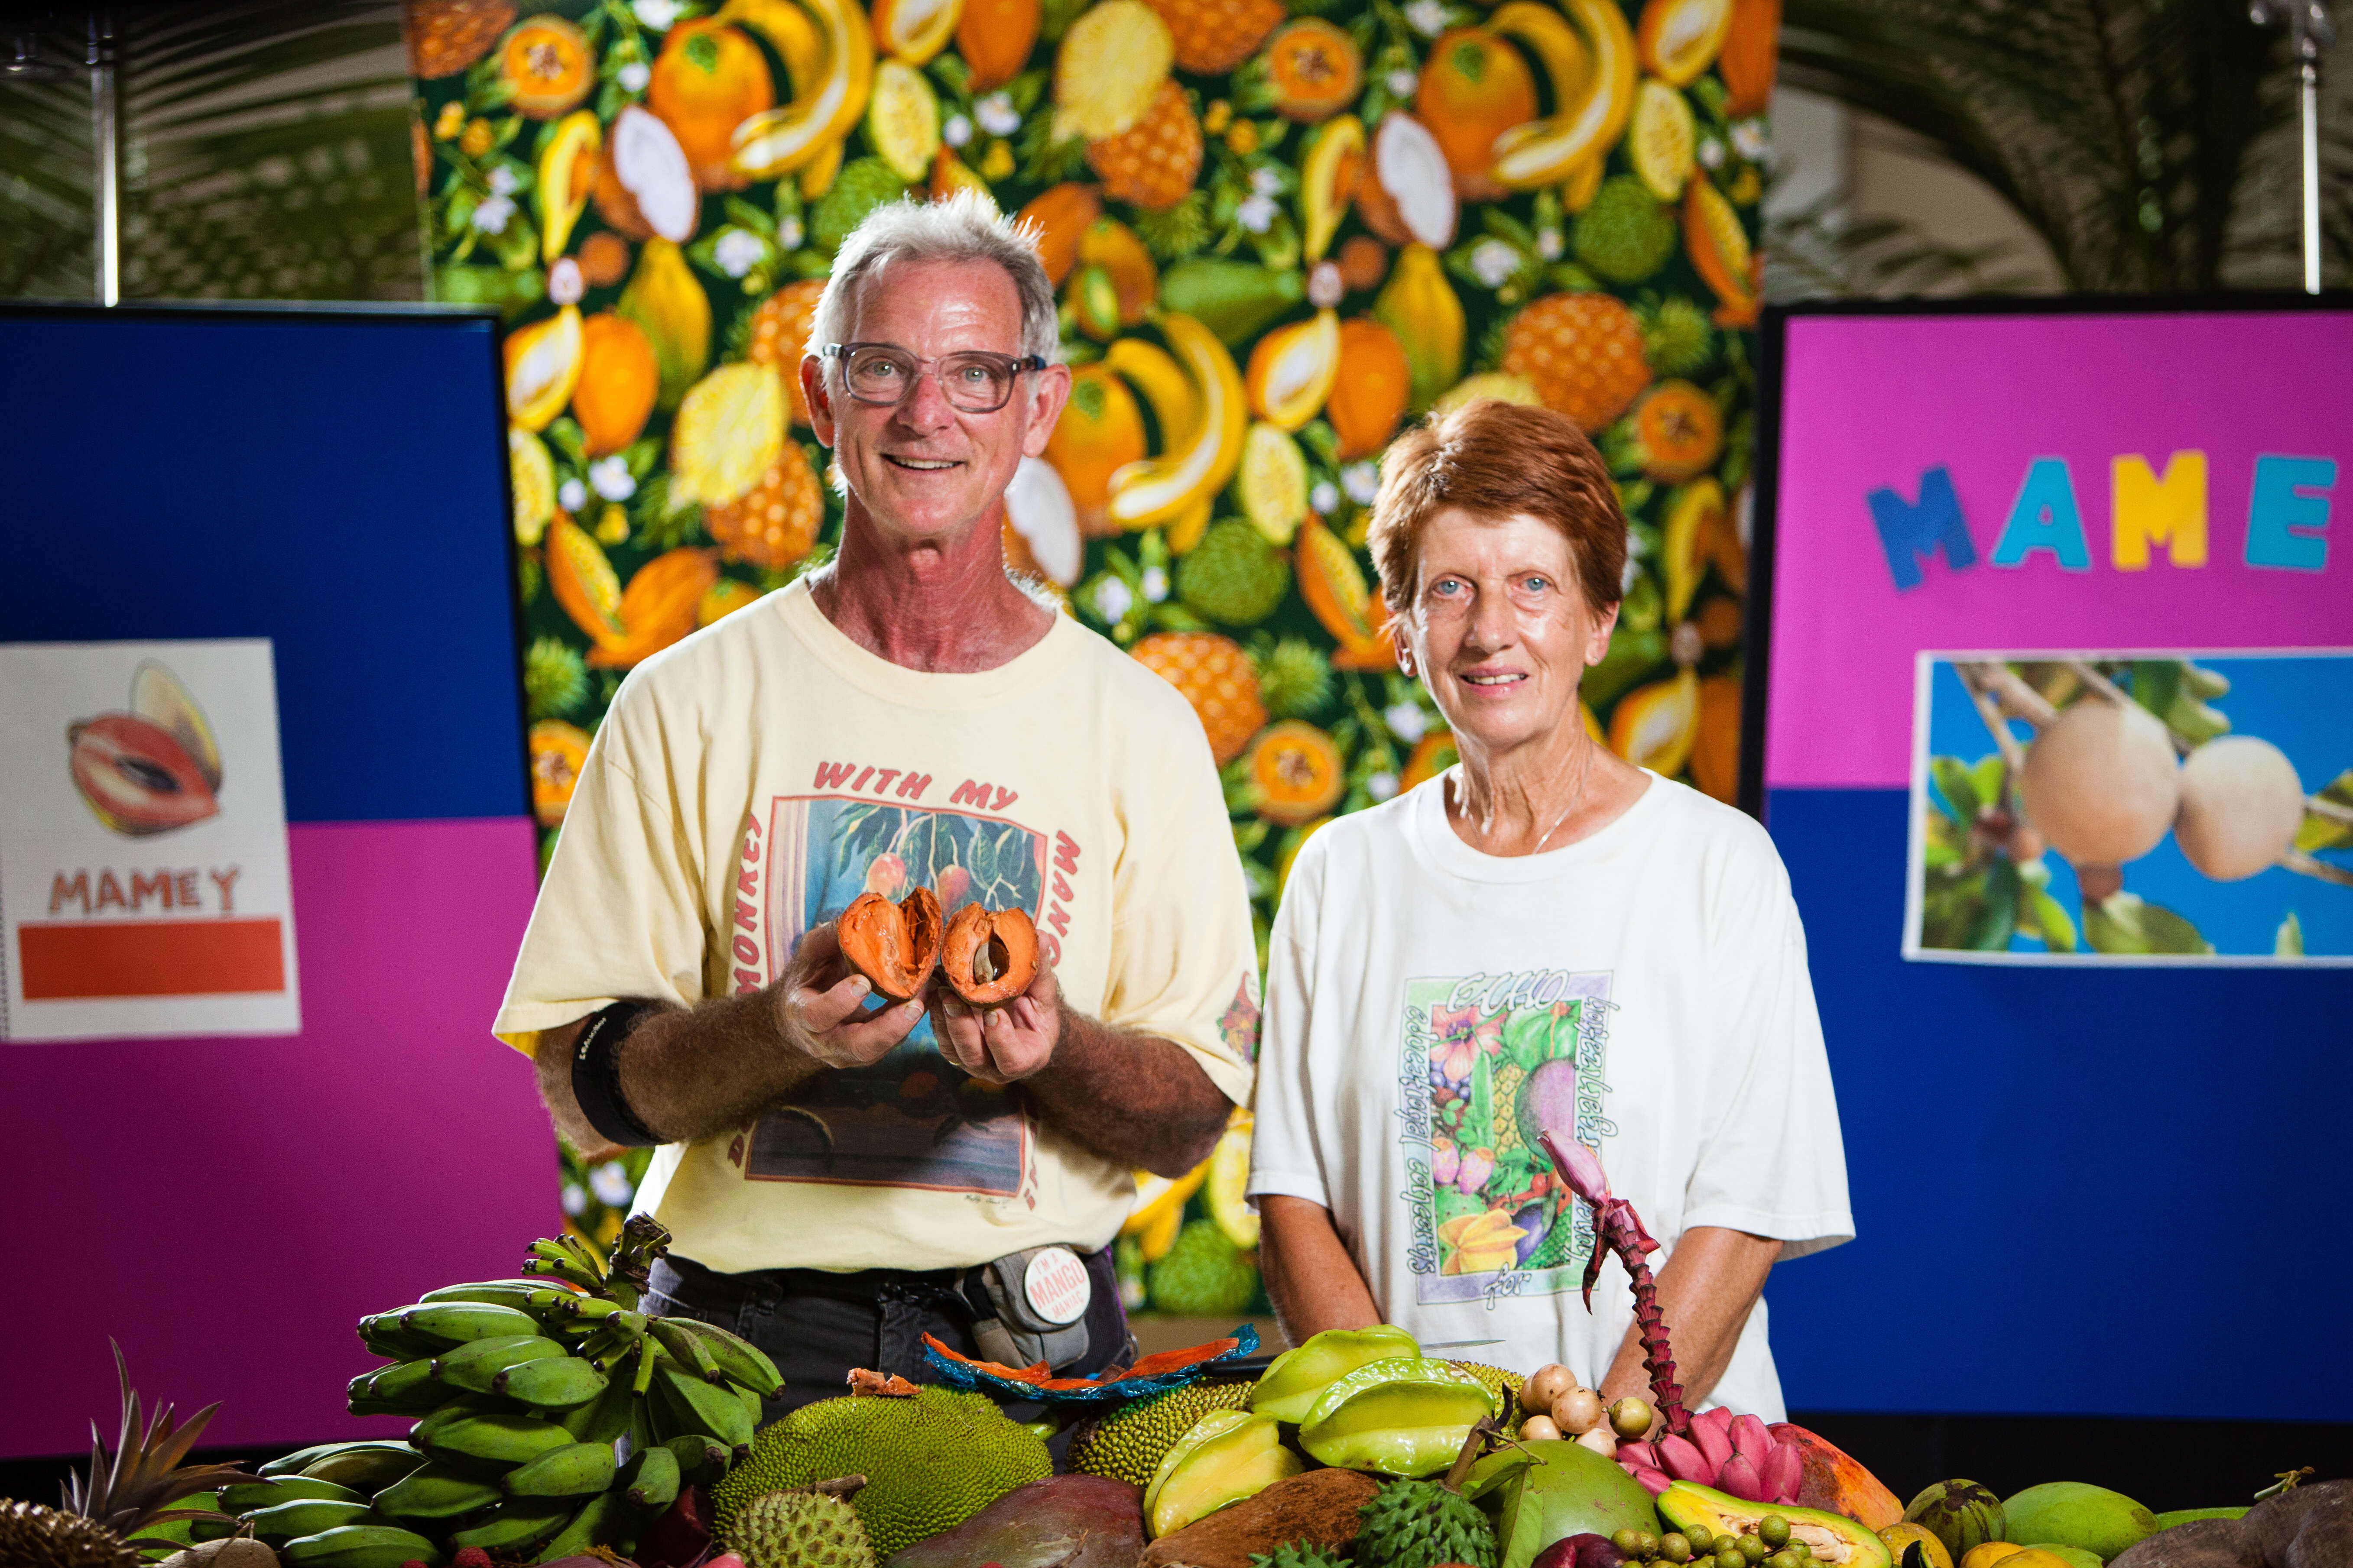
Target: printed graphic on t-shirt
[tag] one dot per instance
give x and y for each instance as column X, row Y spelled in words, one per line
column 912, row 1120
column 1485, row 1063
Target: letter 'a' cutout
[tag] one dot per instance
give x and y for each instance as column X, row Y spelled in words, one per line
column 2046, row 517
column 1910, row 533
column 2283, row 526
column 2146, row 510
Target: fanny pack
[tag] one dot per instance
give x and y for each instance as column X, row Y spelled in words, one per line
column 1030, row 1307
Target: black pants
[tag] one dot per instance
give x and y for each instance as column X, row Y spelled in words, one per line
column 815, row 1326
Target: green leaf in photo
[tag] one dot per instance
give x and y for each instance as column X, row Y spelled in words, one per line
column 2289, row 941
column 1957, row 784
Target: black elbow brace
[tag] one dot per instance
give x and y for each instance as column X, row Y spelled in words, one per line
column 597, row 1075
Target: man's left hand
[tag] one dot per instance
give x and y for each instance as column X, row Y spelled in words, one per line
column 1006, row 1043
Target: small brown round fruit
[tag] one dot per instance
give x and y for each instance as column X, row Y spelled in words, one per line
column 1632, row 1416
column 1543, row 1388
column 1578, row 1410
column 2100, row 781
column 2240, row 806
column 1538, row 1429
column 1600, row 1439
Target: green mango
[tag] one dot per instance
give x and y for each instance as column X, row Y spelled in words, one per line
column 2074, row 1513
column 1549, row 1489
column 2192, row 1515
column 1297, row 1378
column 1403, row 1416
column 1235, row 299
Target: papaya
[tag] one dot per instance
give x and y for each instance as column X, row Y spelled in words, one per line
column 558, row 752
column 1831, row 1538
column 550, row 64
column 1419, row 306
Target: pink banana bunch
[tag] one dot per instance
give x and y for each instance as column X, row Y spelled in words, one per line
column 1732, row 1453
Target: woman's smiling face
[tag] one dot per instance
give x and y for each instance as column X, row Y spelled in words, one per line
column 1499, row 629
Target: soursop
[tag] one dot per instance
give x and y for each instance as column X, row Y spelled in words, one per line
column 1128, row 1444
column 932, row 1461
column 1625, row 233
column 1234, row 575
column 1419, row 1524
column 1204, row 1275
column 801, row 1530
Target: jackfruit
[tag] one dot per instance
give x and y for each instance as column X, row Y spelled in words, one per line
column 1234, row 575
column 801, row 1530
column 1503, row 1385
column 1204, row 1275
column 1129, row 1445
column 930, row 1461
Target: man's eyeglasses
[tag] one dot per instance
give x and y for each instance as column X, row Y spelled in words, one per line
column 974, row 381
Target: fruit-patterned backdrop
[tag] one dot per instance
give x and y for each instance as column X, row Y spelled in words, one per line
column 1280, row 231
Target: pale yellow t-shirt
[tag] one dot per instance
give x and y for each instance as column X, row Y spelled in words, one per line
column 751, row 782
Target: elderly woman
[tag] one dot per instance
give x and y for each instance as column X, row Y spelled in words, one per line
column 1543, row 937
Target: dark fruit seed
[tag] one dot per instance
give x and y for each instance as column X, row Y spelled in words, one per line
column 1774, row 1531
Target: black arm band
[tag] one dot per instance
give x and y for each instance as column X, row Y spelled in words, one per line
column 597, row 1075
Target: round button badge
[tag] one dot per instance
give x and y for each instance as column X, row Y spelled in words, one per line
column 1057, row 1285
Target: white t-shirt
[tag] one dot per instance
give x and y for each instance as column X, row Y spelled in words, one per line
column 752, row 780
column 1427, row 1005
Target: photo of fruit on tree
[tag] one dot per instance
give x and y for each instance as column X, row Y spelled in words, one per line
column 1280, row 230
column 2144, row 807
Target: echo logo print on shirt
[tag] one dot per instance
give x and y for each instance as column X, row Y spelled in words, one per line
column 1485, row 1062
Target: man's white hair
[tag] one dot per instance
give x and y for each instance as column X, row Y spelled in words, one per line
column 965, row 228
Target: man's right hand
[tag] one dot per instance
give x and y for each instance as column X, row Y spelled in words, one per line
column 821, row 1008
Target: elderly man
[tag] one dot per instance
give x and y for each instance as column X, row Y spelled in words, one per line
column 842, row 1177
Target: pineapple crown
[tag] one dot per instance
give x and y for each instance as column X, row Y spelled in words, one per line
column 134, row 1486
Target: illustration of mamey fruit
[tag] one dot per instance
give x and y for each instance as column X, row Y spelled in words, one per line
column 2100, row 782
column 1128, row 1443
column 1583, row 353
column 135, row 776
column 619, row 380
column 1371, row 391
column 1213, row 37
column 708, row 79
column 1234, row 575
column 1153, row 163
column 1314, row 68
column 658, row 607
column 895, row 946
column 776, row 523
column 2242, row 804
column 549, row 64
column 1624, row 233
column 1960, row 1513
column 1217, row 679
column 445, row 37
column 989, row 956
column 1474, row 87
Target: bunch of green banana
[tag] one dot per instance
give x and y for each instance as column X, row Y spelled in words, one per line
column 523, row 1389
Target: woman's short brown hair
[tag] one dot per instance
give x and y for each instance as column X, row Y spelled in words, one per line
column 1495, row 461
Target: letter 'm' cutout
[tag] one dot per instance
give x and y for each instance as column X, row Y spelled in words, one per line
column 2145, row 509
column 1910, row 533
column 2046, row 517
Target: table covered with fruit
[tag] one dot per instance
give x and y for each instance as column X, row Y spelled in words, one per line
column 556, row 1423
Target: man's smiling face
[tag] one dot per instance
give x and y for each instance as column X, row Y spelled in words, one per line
column 923, row 470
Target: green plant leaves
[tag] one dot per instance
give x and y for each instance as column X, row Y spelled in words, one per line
column 2123, row 924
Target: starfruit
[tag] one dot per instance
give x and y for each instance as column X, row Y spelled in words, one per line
column 781, row 140
column 664, row 298
column 1328, row 177
column 567, row 170
column 1418, row 305
column 1591, row 106
column 1406, row 1416
column 1158, row 489
column 1294, row 1381
column 1225, row 1457
column 1293, row 368
column 543, row 367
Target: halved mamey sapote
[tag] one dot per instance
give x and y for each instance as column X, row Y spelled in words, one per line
column 895, row 946
column 157, row 696
column 1404, row 1416
column 1297, row 1378
column 1292, row 368
column 135, row 776
column 1831, row 1538
column 549, row 63
column 1314, row 68
column 558, row 752
column 1836, row 1483
column 989, row 955
column 1296, row 773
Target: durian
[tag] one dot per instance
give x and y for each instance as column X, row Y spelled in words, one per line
column 1234, row 575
